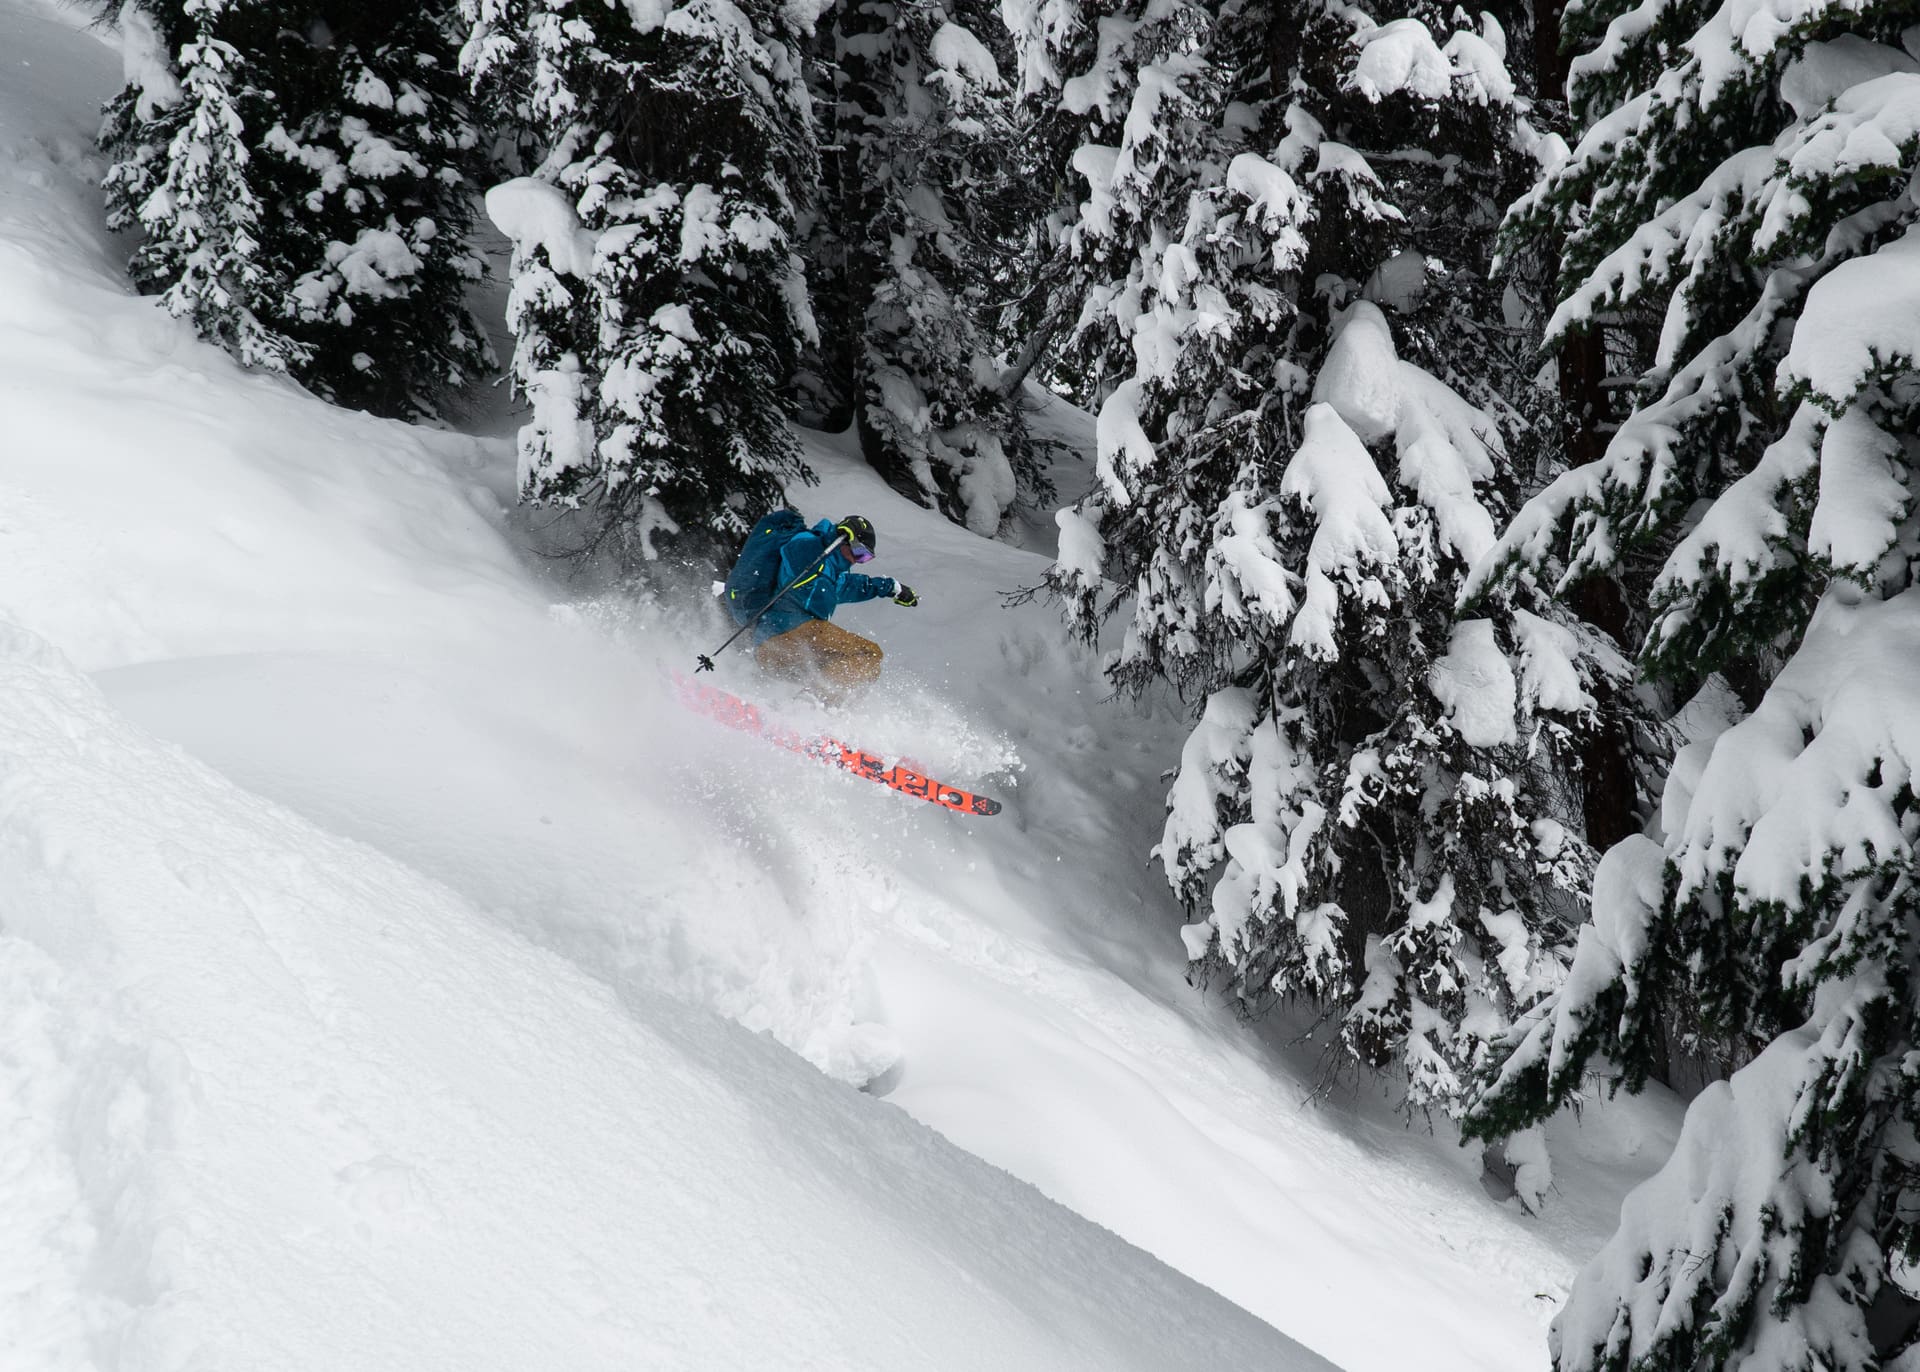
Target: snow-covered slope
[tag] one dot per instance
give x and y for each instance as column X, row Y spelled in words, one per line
column 274, row 1099
column 418, row 979
column 278, row 1101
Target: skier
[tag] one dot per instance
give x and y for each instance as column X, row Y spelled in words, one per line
column 795, row 577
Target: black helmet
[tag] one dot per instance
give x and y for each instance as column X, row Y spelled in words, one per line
column 859, row 531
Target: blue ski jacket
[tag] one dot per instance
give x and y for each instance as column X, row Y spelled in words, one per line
column 820, row 592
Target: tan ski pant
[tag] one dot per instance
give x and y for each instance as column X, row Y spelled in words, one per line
column 816, row 653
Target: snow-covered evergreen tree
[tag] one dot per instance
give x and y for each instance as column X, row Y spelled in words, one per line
column 906, row 233
column 303, row 181
column 183, row 179
column 1282, row 246
column 657, row 299
column 1748, row 174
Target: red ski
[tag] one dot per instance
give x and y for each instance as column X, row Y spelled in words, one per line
column 736, row 713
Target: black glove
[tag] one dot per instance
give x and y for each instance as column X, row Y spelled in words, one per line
column 903, row 595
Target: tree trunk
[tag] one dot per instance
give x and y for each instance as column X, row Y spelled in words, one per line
column 863, row 52
column 1583, row 394
column 1608, row 788
column 1550, row 65
column 1607, row 783
column 1030, row 355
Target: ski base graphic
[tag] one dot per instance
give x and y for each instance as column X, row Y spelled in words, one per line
column 726, row 708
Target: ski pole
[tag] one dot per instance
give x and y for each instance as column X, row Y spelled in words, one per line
column 706, row 659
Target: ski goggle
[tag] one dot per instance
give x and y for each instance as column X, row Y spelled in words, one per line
column 857, row 550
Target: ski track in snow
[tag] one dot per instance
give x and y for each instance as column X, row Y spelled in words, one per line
column 300, row 1063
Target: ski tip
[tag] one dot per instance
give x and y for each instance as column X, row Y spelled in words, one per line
column 985, row 805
